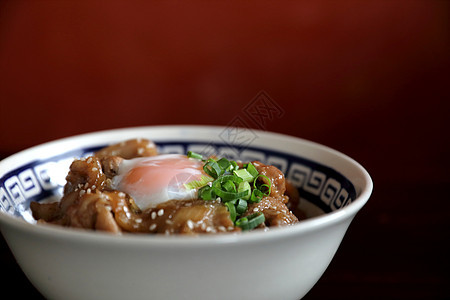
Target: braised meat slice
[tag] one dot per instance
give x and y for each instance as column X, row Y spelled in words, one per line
column 275, row 211
column 129, row 149
column 173, row 217
column 85, row 173
column 110, row 165
column 79, row 209
column 196, row 216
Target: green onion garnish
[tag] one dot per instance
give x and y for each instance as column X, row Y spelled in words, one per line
column 233, row 166
column 224, row 163
column 251, row 169
column 191, row 154
column 225, row 178
column 206, row 193
column 250, row 222
column 232, row 210
column 245, row 186
column 229, row 186
column 256, row 196
column 195, row 184
column 212, row 168
column 241, row 206
column 265, row 188
column 244, row 174
column 229, row 196
column 235, row 186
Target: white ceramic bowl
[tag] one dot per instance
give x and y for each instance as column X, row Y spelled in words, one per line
column 282, row 263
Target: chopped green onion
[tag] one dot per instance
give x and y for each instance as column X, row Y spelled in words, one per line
column 245, row 186
column 229, row 186
column 195, row 184
column 233, row 166
column 241, row 206
column 251, row 169
column 242, row 222
column 229, row 196
column 251, row 222
column 234, row 186
column 265, row 188
column 191, row 154
column 206, row 193
column 225, row 178
column 255, row 220
column 224, row 163
column 256, row 196
column 244, row 174
column 212, row 168
column 232, row 210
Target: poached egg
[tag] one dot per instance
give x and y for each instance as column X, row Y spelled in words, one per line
column 157, row 179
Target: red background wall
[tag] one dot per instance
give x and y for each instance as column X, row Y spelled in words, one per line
column 370, row 78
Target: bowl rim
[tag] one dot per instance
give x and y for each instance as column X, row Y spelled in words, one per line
column 87, row 236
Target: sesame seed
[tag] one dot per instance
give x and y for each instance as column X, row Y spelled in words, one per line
column 93, row 186
column 190, row 224
column 222, row 228
column 256, row 209
column 121, row 195
column 140, row 151
column 138, row 220
column 169, row 222
column 160, row 212
column 153, row 215
column 94, row 169
column 209, row 229
column 89, row 160
column 230, row 228
column 82, row 192
column 152, row 227
column 203, row 226
column 88, row 191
